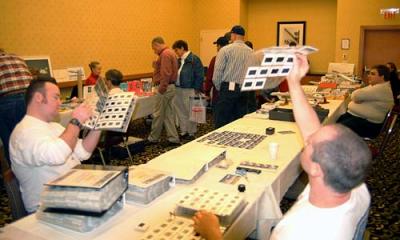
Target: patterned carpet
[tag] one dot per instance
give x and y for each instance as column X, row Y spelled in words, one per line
column 383, row 182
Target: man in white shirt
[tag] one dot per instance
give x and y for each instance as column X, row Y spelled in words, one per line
column 113, row 80
column 42, row 150
column 336, row 162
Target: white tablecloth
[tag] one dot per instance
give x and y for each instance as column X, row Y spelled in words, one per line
column 263, row 192
column 144, row 107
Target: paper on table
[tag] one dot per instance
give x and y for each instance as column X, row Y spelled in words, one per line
column 187, row 165
column 73, row 73
column 84, row 178
column 144, row 177
column 61, row 75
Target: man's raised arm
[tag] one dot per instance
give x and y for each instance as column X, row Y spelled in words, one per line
column 305, row 116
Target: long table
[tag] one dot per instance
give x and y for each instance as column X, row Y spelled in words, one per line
column 263, row 192
column 335, row 110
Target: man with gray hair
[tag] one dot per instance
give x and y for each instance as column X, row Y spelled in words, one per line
column 165, row 74
column 334, row 205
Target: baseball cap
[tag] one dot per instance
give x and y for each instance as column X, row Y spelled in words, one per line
column 222, row 41
column 238, row 30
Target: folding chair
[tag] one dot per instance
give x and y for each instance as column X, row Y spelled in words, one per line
column 14, row 195
column 389, row 125
column 386, row 131
column 12, row 188
column 110, row 139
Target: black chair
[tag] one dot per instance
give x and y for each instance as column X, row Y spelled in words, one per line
column 386, row 131
column 12, row 188
column 14, row 195
column 388, row 127
column 110, row 139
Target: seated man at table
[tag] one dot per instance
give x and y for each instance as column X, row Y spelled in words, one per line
column 42, row 150
column 369, row 105
column 113, row 80
column 336, row 162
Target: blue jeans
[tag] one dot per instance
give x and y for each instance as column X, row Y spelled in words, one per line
column 12, row 110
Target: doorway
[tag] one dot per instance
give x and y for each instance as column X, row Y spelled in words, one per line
column 379, row 45
column 207, row 49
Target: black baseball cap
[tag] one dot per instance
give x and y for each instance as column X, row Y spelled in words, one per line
column 222, row 41
column 238, row 30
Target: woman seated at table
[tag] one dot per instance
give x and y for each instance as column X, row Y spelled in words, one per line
column 369, row 105
column 95, row 69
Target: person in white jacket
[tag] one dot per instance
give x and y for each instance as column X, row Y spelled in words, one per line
column 369, row 105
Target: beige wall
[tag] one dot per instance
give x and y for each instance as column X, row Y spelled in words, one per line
column 351, row 15
column 244, row 13
column 215, row 14
column 320, row 17
column 117, row 33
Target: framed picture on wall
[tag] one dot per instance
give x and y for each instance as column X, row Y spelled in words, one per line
column 39, row 65
column 291, row 33
column 345, row 44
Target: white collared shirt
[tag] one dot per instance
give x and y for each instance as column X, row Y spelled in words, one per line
column 38, row 156
column 306, row 221
column 115, row 90
column 184, row 56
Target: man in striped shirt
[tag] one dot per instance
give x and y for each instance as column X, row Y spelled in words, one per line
column 14, row 79
column 229, row 72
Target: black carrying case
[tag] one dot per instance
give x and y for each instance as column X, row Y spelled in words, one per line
column 284, row 114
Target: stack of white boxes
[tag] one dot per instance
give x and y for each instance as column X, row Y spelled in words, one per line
column 146, row 184
column 82, row 208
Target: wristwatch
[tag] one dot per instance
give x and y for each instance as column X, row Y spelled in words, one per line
column 76, row 122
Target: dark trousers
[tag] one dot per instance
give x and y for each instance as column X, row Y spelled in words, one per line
column 231, row 105
column 251, row 102
column 361, row 126
column 12, row 110
column 214, row 113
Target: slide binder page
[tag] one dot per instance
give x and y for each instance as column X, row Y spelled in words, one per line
column 112, row 112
